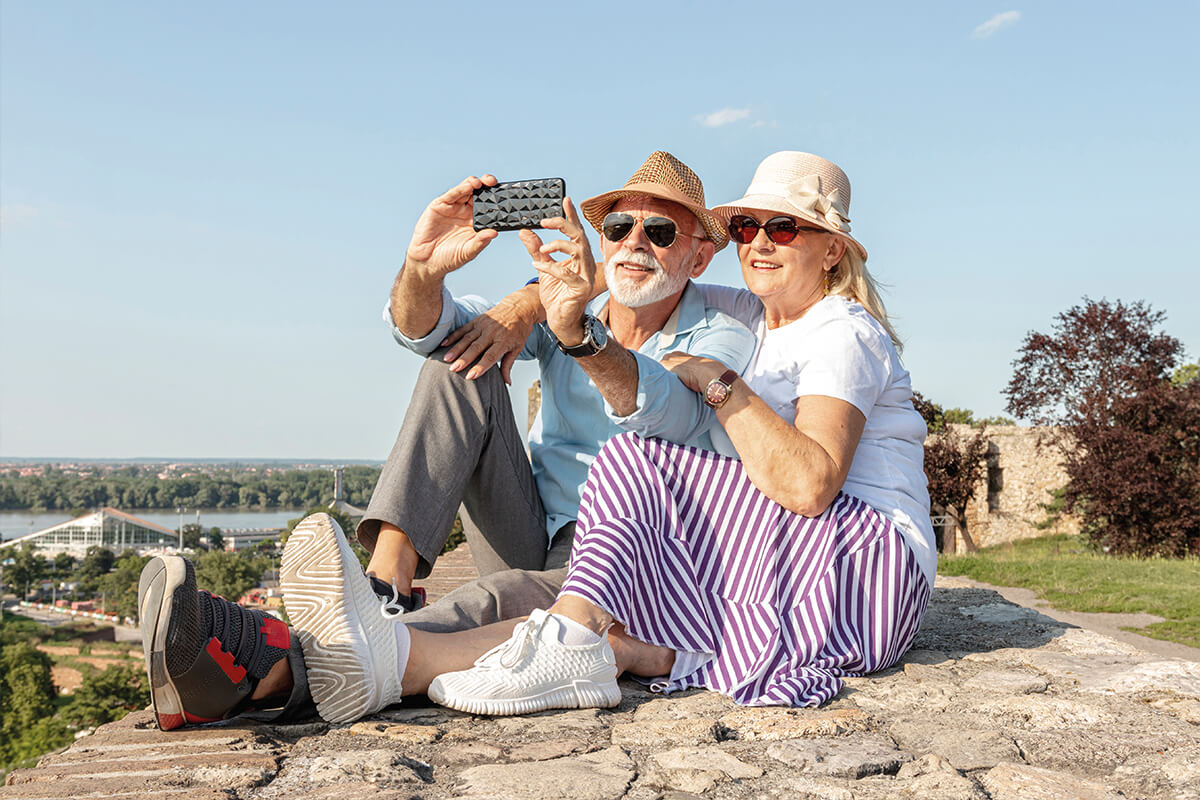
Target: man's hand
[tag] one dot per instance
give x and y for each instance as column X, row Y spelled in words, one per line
column 565, row 287
column 443, row 239
column 496, row 336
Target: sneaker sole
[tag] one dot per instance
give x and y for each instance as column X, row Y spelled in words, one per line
column 579, row 694
column 156, row 594
column 334, row 624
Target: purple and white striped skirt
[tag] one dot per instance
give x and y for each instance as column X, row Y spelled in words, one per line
column 759, row 603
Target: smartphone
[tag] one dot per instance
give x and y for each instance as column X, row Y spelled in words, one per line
column 513, row 205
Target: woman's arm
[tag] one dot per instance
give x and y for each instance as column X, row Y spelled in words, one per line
column 801, row 466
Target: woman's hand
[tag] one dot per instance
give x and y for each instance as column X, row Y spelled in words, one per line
column 696, row 372
column 496, row 336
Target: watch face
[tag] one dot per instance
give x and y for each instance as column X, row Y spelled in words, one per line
column 716, row 393
column 597, row 333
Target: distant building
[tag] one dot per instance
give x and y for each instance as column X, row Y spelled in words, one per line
column 339, row 496
column 108, row 528
column 243, row 538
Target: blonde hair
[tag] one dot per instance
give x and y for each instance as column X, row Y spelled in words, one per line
column 850, row 278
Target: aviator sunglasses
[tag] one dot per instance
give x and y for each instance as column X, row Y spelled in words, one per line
column 780, row 230
column 659, row 230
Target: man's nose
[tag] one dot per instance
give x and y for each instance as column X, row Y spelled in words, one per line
column 637, row 240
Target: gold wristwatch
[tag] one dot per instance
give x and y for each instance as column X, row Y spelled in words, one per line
column 717, row 392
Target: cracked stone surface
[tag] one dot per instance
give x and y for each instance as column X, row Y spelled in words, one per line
column 994, row 702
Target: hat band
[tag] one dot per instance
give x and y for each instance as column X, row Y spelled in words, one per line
column 805, row 195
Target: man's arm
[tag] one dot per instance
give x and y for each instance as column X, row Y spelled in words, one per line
column 666, row 408
column 565, row 288
column 442, row 241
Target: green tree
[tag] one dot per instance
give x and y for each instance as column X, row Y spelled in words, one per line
column 192, row 534
column 26, row 569
column 228, row 574
column 26, row 691
column 107, row 696
column 64, row 565
column 1186, row 374
column 119, row 587
column 215, row 540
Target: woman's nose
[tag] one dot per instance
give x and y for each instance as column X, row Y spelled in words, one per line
column 761, row 241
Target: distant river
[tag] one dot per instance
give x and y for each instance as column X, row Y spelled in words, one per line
column 20, row 523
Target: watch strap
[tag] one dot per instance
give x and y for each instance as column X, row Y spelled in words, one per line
column 589, row 346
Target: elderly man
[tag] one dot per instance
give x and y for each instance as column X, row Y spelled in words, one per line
column 459, row 445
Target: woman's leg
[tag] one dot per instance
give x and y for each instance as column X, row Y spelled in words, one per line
column 431, row 654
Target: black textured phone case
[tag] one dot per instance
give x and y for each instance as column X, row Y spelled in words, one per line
column 517, row 204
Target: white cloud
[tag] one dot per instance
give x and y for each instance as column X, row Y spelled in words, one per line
column 996, row 24
column 723, row 117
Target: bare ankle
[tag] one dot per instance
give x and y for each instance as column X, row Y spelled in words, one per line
column 277, row 681
column 394, row 560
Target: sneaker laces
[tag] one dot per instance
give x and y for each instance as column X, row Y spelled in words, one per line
column 509, row 653
column 391, row 607
column 236, row 629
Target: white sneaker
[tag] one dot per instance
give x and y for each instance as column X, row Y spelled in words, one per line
column 533, row 671
column 350, row 636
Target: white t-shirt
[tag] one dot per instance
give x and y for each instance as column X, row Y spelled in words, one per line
column 839, row 350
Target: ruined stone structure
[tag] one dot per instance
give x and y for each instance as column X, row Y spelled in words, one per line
column 1021, row 478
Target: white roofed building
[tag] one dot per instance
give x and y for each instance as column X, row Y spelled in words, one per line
column 108, row 528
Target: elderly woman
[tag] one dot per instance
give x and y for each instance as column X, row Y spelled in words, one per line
column 800, row 553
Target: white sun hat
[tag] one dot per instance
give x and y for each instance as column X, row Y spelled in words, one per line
column 801, row 185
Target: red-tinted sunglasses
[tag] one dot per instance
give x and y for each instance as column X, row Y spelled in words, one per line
column 780, row 230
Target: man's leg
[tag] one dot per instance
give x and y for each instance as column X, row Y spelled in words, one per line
column 459, row 443
column 503, row 595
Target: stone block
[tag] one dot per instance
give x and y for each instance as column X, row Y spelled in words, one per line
column 664, row 732
column 594, row 776
column 774, row 723
column 1022, row 782
column 850, row 757
column 699, row 769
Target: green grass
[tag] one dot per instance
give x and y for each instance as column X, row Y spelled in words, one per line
column 1068, row 574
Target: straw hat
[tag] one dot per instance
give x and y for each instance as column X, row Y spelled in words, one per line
column 666, row 177
column 800, row 185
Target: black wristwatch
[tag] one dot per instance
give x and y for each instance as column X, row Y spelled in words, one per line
column 595, row 339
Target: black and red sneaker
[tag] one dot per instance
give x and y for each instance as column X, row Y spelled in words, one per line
column 204, row 654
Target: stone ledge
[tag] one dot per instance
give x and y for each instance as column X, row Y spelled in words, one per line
column 994, row 701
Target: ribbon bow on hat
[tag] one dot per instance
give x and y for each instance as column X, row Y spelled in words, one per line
column 805, row 194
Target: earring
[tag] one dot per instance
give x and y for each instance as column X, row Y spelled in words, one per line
column 828, row 282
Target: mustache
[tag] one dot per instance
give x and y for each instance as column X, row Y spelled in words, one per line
column 638, row 258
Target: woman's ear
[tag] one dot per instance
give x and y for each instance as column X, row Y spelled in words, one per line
column 837, row 249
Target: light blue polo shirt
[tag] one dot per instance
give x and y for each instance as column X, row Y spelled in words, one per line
column 575, row 421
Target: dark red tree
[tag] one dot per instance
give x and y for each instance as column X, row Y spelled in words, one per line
column 1098, row 352
column 955, row 462
column 1130, row 439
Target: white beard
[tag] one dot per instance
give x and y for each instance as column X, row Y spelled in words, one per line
column 658, row 286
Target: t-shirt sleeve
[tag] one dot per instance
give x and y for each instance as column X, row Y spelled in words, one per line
column 845, row 359
column 740, row 304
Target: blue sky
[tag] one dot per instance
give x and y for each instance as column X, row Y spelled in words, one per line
column 202, row 206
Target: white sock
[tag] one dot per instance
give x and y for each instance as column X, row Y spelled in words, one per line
column 403, row 646
column 571, row 632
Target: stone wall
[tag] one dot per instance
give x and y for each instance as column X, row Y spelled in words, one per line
column 1021, row 476
column 994, row 702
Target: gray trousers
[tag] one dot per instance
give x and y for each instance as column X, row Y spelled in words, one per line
column 459, row 445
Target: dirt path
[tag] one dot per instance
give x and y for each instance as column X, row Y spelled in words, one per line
column 1108, row 624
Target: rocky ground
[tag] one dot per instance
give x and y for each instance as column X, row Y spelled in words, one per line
column 994, row 701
